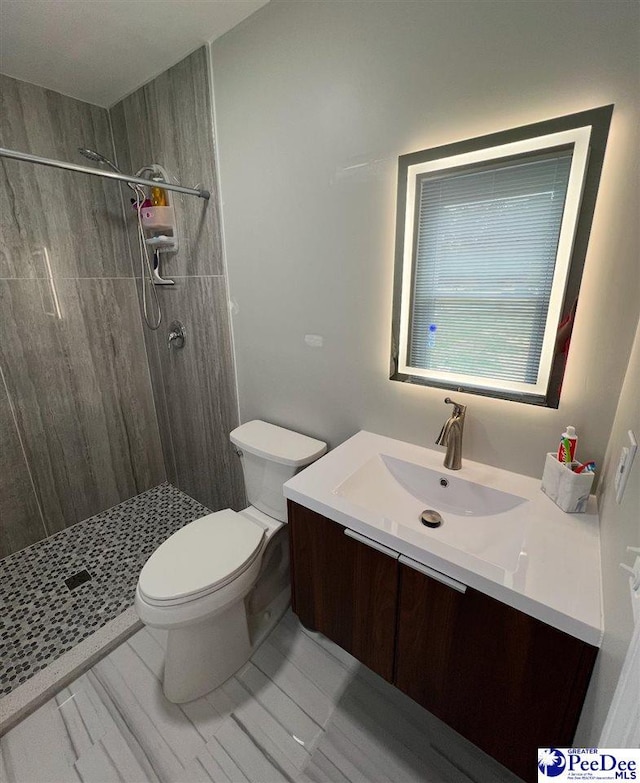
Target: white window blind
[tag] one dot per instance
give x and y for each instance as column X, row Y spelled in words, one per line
column 485, row 244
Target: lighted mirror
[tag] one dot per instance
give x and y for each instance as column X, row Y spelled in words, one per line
column 492, row 235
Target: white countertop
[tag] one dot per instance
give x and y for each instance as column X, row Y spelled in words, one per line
column 556, row 569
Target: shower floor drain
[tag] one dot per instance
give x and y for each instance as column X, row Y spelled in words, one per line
column 77, row 579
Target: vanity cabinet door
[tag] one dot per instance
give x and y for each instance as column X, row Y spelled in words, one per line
column 344, row 589
column 506, row 681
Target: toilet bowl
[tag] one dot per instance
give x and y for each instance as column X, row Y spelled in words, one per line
column 220, row 584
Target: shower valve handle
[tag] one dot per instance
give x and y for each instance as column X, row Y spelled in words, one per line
column 176, row 335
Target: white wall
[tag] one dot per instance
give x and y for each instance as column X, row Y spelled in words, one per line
column 619, row 528
column 306, row 92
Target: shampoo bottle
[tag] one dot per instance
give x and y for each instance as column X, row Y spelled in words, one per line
column 567, row 448
column 158, row 196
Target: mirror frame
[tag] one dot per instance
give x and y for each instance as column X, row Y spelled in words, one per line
column 599, row 119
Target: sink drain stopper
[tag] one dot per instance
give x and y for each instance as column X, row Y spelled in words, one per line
column 431, row 518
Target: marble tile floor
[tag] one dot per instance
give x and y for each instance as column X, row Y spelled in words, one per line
column 301, row 711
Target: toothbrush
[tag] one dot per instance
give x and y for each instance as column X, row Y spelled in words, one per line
column 586, row 467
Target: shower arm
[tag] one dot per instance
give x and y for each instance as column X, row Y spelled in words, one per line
column 60, row 164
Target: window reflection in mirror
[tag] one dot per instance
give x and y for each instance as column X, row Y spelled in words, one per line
column 491, row 237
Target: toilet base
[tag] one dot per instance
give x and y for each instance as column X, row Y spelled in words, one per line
column 201, row 657
column 261, row 625
column 210, row 638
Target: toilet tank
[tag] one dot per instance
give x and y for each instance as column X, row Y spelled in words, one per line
column 270, row 456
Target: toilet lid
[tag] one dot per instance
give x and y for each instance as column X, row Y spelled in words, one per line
column 201, row 557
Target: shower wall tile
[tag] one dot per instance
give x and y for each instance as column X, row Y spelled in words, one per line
column 20, row 520
column 169, row 121
column 55, row 223
column 197, row 385
column 121, row 141
column 154, row 345
column 77, row 375
column 72, row 350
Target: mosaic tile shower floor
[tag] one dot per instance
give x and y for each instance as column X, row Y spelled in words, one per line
column 41, row 619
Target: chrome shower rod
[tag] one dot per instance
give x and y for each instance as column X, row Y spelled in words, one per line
column 61, row 164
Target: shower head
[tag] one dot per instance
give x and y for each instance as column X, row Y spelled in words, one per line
column 91, row 154
column 97, row 157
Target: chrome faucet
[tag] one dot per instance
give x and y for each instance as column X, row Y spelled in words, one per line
column 451, row 435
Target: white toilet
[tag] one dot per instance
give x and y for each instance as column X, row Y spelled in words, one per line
column 220, row 584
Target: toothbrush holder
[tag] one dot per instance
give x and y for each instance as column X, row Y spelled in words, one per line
column 568, row 490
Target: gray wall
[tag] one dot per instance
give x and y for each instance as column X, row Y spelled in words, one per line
column 314, row 102
column 78, row 428
column 619, row 528
column 169, row 121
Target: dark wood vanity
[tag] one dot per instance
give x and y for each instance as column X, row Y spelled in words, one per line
column 504, row 680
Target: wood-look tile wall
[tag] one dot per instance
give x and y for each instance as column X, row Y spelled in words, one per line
column 169, row 121
column 78, row 426
column 94, row 408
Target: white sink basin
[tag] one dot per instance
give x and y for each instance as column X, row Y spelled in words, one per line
column 431, row 487
column 500, row 533
column 475, row 517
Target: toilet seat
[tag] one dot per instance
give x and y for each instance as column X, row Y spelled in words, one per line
column 201, row 558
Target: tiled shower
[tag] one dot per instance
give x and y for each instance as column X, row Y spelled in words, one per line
column 94, row 407
column 59, row 592
column 110, row 439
